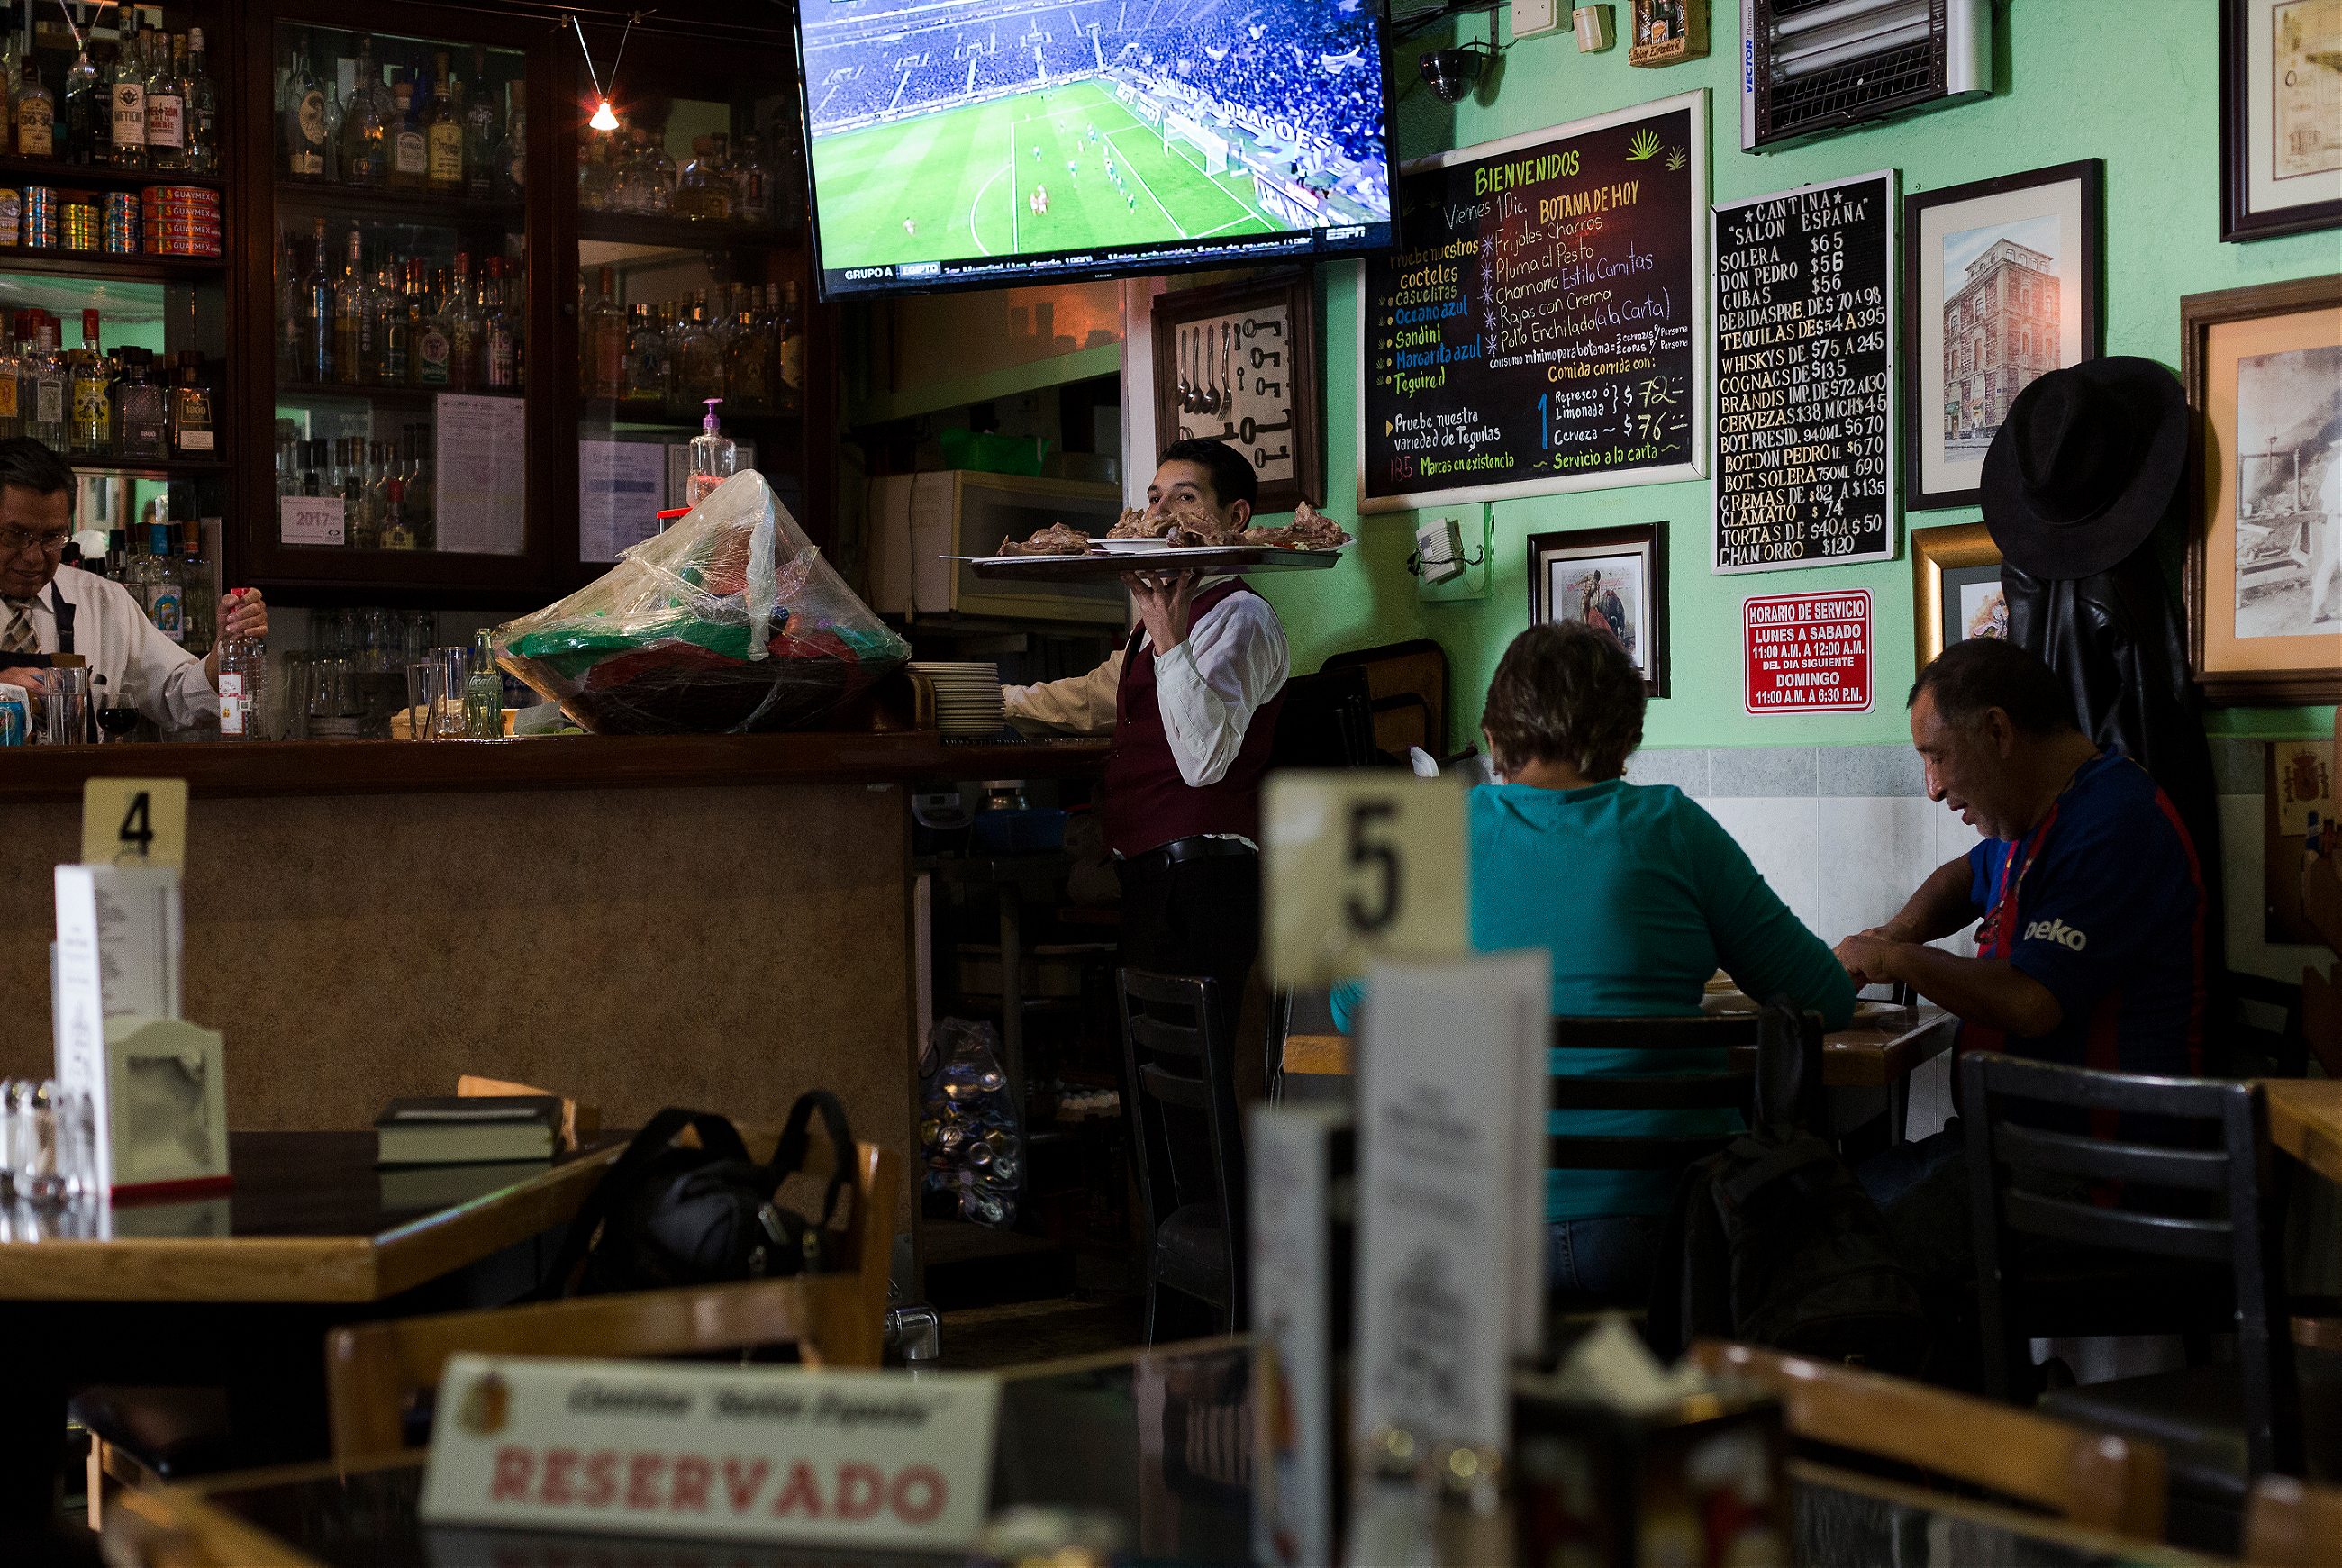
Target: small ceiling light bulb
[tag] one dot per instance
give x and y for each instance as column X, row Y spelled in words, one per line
column 604, row 117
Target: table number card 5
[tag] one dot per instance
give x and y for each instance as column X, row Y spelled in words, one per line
column 1359, row 867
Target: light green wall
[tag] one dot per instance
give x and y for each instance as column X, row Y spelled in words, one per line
column 2134, row 81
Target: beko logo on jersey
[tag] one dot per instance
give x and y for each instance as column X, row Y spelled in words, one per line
column 2057, row 931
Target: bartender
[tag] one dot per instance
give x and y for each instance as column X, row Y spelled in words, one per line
column 48, row 608
column 1191, row 701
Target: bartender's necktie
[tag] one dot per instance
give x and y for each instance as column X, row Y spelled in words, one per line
column 18, row 636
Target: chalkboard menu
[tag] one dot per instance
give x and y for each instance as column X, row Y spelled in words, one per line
column 1804, row 376
column 1546, row 329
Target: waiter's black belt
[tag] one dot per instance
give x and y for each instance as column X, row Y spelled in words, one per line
column 1180, row 851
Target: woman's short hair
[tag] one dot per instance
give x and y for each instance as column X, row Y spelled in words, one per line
column 1566, row 693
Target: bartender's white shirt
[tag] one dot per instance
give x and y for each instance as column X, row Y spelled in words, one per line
column 1207, row 688
column 112, row 633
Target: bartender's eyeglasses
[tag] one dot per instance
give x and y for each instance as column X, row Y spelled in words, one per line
column 16, row 541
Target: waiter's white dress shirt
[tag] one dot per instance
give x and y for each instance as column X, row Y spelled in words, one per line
column 112, row 633
column 1208, row 688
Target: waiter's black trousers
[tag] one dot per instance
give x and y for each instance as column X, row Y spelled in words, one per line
column 1197, row 917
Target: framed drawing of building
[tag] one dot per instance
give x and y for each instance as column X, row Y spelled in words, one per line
column 2280, row 117
column 2000, row 284
column 2262, row 368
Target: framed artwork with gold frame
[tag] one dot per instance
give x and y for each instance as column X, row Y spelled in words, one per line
column 2263, row 369
column 1954, row 588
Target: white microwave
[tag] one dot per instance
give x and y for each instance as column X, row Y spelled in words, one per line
column 918, row 521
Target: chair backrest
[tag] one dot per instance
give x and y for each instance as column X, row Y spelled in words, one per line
column 2291, row 1524
column 1183, row 1118
column 2204, row 1192
column 2092, row 1478
column 1718, row 1073
column 1408, row 686
column 1327, row 720
column 373, row 1371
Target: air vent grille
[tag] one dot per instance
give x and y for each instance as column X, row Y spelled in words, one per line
column 1858, row 90
column 1814, row 67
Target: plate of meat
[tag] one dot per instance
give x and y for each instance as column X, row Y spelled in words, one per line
column 1197, row 539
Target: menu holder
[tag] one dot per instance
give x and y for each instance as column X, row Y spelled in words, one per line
column 1304, row 1180
column 1451, row 1197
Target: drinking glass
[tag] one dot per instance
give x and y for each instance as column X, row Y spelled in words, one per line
column 447, row 699
column 117, row 715
column 426, row 680
column 65, row 707
column 335, row 708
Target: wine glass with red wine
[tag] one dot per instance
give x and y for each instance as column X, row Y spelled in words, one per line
column 117, row 715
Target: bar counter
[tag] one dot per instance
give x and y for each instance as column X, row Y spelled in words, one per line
column 716, row 921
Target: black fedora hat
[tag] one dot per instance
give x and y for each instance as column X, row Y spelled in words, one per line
column 2082, row 469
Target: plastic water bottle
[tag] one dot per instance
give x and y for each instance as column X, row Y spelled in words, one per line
column 243, row 686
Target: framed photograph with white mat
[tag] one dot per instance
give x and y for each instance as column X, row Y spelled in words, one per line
column 1956, row 588
column 1613, row 578
column 2000, row 285
column 2280, row 117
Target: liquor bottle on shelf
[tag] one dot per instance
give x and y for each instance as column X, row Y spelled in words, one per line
column 242, row 687
column 397, row 531
column 192, row 429
column 421, row 487
column 47, row 391
column 364, row 135
column 289, row 459
column 126, row 91
column 434, row 351
column 466, row 331
column 704, row 190
column 199, row 607
column 516, row 143
column 92, row 394
column 85, row 107
column 649, row 380
column 165, row 592
column 748, row 364
column 289, row 268
column 35, row 114
column 393, row 331
column 790, row 398
column 500, row 331
column 410, row 158
column 166, row 106
column 12, row 370
column 203, row 110
column 484, row 691
column 443, row 134
column 483, row 138
column 142, row 408
column 317, row 306
column 698, row 361
column 596, row 177
column 605, row 342
column 304, row 115
column 752, row 185
column 352, row 324
column 362, row 532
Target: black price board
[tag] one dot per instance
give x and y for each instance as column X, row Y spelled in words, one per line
column 1546, row 328
column 1804, row 376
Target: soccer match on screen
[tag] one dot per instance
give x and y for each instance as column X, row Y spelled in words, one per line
column 946, row 133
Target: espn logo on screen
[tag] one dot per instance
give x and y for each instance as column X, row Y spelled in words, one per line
column 2057, row 931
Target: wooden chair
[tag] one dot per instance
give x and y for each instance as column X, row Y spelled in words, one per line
column 373, row 1371
column 2290, row 1524
column 2091, row 1478
column 1180, row 1087
column 2199, row 1231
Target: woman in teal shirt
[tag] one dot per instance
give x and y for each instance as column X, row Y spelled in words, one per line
column 1640, row 897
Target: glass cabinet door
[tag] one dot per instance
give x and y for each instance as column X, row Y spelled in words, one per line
column 692, row 285
column 401, row 309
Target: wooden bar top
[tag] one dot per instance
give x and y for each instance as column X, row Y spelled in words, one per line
column 259, row 768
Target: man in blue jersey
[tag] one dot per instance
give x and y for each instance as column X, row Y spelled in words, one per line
column 2090, row 949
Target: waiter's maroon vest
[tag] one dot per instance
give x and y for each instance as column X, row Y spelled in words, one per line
column 1148, row 803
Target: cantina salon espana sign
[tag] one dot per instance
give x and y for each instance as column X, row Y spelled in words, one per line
column 1546, row 329
column 1804, row 376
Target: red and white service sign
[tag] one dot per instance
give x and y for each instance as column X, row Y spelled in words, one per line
column 1808, row 653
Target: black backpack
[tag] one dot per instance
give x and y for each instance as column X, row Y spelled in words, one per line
column 670, row 1215
column 1772, row 1241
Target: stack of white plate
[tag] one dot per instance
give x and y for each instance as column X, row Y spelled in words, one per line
column 967, row 697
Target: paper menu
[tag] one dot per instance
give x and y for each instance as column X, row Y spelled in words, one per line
column 621, row 490
column 1451, row 1195
column 1300, row 1155
column 481, row 492
column 119, row 936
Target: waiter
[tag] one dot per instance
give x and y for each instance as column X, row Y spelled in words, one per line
column 1192, row 701
column 47, row 608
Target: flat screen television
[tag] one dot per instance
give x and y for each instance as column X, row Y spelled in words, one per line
column 964, row 144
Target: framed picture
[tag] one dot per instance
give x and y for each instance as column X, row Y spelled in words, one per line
column 1615, row 578
column 2000, row 284
column 1954, row 588
column 1667, row 31
column 2280, row 117
column 2262, row 368
column 1238, row 363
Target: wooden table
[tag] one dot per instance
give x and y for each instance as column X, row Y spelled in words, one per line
column 2305, row 1120
column 239, row 1290
column 1863, row 1055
